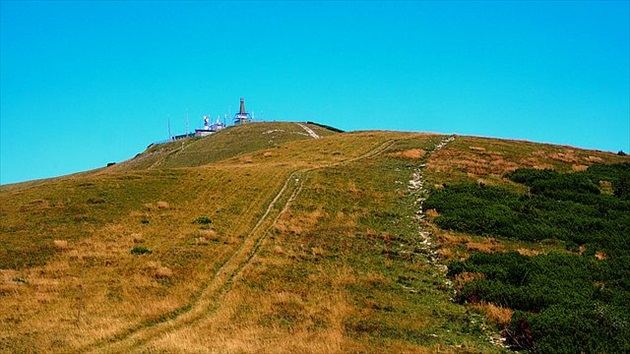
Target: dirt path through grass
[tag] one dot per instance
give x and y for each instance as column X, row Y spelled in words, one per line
column 220, row 282
column 417, row 187
column 309, row 131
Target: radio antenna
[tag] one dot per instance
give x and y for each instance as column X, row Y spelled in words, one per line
column 187, row 130
column 168, row 123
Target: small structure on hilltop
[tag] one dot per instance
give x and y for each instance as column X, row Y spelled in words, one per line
column 242, row 116
column 177, row 137
column 209, row 128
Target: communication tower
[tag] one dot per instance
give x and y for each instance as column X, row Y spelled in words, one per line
column 242, row 116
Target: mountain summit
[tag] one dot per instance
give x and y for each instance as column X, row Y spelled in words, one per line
column 291, row 237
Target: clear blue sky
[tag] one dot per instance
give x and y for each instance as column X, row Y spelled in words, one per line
column 86, row 83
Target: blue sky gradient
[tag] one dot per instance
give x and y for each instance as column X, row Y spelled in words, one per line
column 87, row 83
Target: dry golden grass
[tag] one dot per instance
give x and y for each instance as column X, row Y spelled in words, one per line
column 468, row 158
column 303, row 252
column 208, row 234
column 61, row 244
column 527, row 251
column 136, row 237
column 97, row 288
column 162, row 205
column 352, row 187
column 537, row 165
column 233, row 331
column 489, row 245
column 470, row 163
column 431, row 213
column 447, row 239
column 414, row 154
column 578, row 168
column 464, row 278
column 601, row 255
column 595, row 159
column 567, row 156
column 500, row 316
column 461, row 246
column 248, row 322
column 296, row 293
column 446, row 253
column 298, row 224
column 158, row 271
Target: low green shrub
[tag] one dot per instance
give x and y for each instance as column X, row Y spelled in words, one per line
column 138, row 250
column 567, row 207
column 565, row 303
column 595, row 328
column 204, row 220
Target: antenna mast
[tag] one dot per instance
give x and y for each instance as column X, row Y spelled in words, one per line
column 168, row 123
column 187, row 130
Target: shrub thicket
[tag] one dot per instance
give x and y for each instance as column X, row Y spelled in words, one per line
column 564, row 302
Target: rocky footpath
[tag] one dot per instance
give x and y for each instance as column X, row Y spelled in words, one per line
column 427, row 244
column 416, row 187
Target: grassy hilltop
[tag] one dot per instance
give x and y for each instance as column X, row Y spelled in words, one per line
column 261, row 238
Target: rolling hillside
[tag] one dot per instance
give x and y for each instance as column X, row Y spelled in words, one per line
column 263, row 238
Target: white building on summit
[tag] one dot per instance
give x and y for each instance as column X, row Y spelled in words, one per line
column 209, row 128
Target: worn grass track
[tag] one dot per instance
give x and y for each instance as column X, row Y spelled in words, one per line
column 220, row 282
column 333, row 275
column 102, row 215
